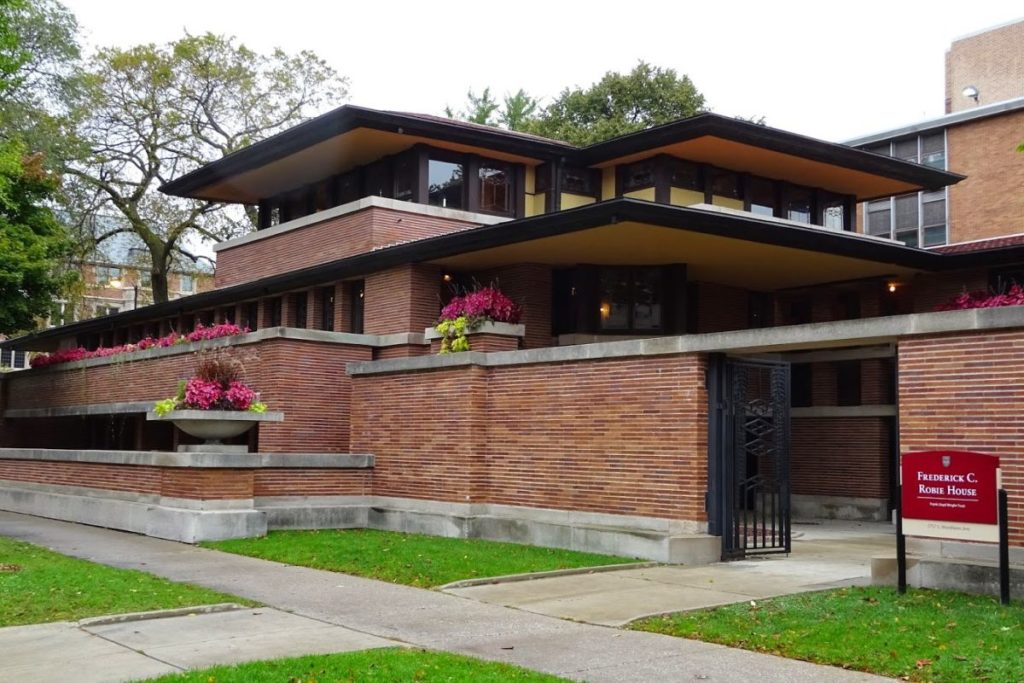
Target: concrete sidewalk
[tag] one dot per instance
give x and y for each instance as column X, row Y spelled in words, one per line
column 829, row 555
column 152, row 644
column 427, row 619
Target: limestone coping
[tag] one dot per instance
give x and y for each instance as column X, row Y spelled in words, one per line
column 360, row 205
column 266, row 334
column 197, row 459
column 772, row 339
column 489, row 327
column 233, row 415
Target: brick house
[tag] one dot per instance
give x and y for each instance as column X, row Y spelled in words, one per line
column 707, row 343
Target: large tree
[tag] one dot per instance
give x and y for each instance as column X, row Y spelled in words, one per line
column 152, row 113
column 33, row 245
column 616, row 105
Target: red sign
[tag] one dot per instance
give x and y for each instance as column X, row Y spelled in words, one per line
column 950, row 486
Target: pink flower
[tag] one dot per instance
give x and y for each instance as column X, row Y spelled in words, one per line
column 487, row 303
column 202, row 394
column 239, row 396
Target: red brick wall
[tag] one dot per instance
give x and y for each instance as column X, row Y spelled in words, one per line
column 201, row 484
column 306, row 380
column 934, row 289
column 841, row 456
column 992, row 61
column 618, row 436
column 328, row 240
column 402, row 299
column 529, row 285
column 965, row 392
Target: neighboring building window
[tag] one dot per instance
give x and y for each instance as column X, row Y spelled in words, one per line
column 102, row 310
column 917, row 220
column 631, row 299
column 446, row 184
column 495, row 187
column 104, row 274
column 187, row 284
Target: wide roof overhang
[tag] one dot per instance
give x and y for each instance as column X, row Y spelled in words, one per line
column 352, row 136
column 723, row 247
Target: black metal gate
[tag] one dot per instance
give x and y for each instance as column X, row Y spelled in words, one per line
column 749, row 473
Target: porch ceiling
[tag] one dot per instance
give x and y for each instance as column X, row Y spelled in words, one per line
column 709, row 258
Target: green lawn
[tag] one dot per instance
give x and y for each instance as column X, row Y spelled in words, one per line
column 370, row 666
column 412, row 559
column 924, row 635
column 38, row 585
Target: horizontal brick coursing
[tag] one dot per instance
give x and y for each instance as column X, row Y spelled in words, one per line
column 332, row 239
column 402, row 299
column 841, row 456
column 311, row 482
column 139, row 478
column 966, row 392
column 616, row 436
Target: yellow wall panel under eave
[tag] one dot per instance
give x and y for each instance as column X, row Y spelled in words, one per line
column 681, row 197
column 646, row 193
column 538, row 204
column 571, row 201
column 608, row 183
column 530, row 180
column 727, row 202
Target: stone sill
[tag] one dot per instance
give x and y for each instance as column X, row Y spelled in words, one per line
column 866, row 331
column 196, row 460
column 360, row 205
column 231, row 415
column 502, row 329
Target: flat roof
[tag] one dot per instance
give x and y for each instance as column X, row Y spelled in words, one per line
column 459, row 246
column 944, row 121
column 351, row 136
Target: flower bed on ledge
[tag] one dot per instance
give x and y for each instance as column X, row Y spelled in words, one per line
column 1014, row 296
column 200, row 333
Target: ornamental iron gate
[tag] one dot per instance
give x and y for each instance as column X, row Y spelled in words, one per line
column 749, row 504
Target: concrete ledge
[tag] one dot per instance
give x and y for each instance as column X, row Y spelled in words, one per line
column 197, row 460
column 947, row 574
column 840, row 507
column 960, row 550
column 866, row 331
column 98, row 509
column 360, row 205
column 657, row 539
column 123, row 408
column 505, row 329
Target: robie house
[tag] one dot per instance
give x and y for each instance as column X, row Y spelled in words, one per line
column 709, row 345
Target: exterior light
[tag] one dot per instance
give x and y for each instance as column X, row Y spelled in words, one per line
column 892, row 286
column 447, row 277
column 971, row 92
column 606, row 310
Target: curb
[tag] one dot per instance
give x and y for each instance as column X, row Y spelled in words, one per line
column 530, row 576
column 160, row 614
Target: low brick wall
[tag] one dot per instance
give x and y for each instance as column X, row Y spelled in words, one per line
column 966, row 392
column 841, row 456
column 622, row 436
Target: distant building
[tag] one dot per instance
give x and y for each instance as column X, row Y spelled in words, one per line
column 985, row 67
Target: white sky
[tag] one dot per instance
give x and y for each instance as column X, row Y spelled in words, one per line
column 827, row 69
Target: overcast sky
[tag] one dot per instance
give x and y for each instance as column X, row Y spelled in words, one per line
column 833, row 70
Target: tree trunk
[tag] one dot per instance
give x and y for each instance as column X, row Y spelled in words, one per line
column 159, row 273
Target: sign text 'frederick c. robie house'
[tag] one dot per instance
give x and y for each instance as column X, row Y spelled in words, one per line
column 950, row 494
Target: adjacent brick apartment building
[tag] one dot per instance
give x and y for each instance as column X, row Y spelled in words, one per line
column 707, row 342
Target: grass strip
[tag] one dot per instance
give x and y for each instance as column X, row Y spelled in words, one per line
column 924, row 635
column 410, row 559
column 38, row 585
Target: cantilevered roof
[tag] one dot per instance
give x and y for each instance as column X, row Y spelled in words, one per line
column 720, row 246
column 351, row 136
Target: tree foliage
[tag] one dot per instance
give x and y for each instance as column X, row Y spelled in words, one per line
column 32, row 242
column 152, row 113
column 616, row 105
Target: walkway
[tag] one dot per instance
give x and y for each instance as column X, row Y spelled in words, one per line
column 427, row 619
column 824, row 556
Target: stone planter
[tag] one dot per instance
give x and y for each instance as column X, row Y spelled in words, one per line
column 215, row 425
column 490, row 336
